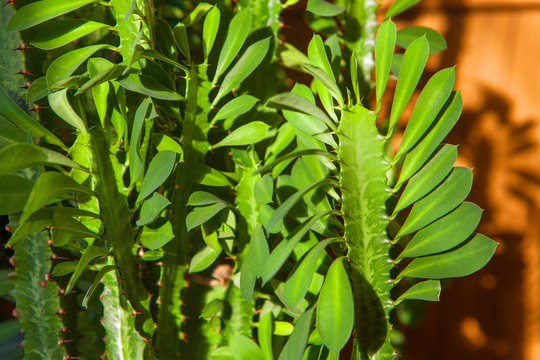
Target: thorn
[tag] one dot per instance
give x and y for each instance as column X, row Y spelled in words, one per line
column 15, row 313
column 61, row 292
column 26, row 85
column 134, row 312
column 49, row 242
column 12, row 261
column 159, row 263
column 60, row 312
column 8, row 229
column 12, row 2
column 42, row 283
column 183, row 336
column 56, row 257
column 24, row 72
column 24, row 47
column 63, row 330
column 48, row 277
column 159, row 283
column 37, row 108
column 63, row 341
column 158, row 302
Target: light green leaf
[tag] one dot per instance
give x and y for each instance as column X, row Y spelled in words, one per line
column 163, row 143
column 49, row 186
column 203, row 259
column 384, row 50
column 181, row 38
column 265, row 335
column 13, row 113
column 90, row 253
column 237, row 106
column 202, row 214
column 95, row 283
column 21, row 156
column 212, row 309
column 399, row 6
column 158, row 171
column 447, row 196
column 238, row 30
column 197, row 13
column 247, row 63
column 149, row 86
column 9, row 133
column 202, row 198
column 65, row 65
column 327, row 81
column 250, row 133
column 264, row 189
column 254, row 261
column 206, row 175
column 297, row 285
column 428, row 290
column 414, row 61
column 445, row 233
column 295, row 102
column 324, row 8
column 429, row 104
column 60, row 105
column 38, row 90
column 335, row 308
column 157, row 234
column 296, row 344
column 416, row 158
column 282, row 251
column 151, row 208
column 428, row 177
column 463, row 261
column 41, row 11
column 243, row 348
column 57, row 33
column 152, row 255
column 409, row 34
column 317, row 56
column 14, row 191
column 210, row 29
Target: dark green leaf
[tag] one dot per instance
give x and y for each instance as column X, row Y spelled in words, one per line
column 250, row 133
column 428, row 290
column 158, row 171
column 445, row 233
column 203, row 259
column 296, row 344
column 156, row 235
column 254, row 261
column 247, row 63
column 335, row 308
column 63, row 268
column 151, row 208
column 202, row 198
column 197, row 13
column 206, row 175
column 447, row 196
column 41, row 11
column 296, row 154
column 38, row 90
column 163, row 142
column 57, row 33
column 181, row 38
column 202, row 214
column 95, row 283
column 409, row 34
column 463, row 261
column 239, row 28
column 60, row 105
column 264, row 189
column 135, row 162
column 237, row 106
column 14, row 191
column 384, row 50
column 90, row 253
column 324, row 8
column 21, row 156
column 149, row 86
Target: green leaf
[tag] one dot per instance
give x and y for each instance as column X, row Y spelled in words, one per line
column 297, row 285
column 38, row 90
column 212, row 309
column 22, row 120
column 296, row 344
column 95, row 283
column 265, row 335
column 409, row 34
column 463, row 261
column 210, row 29
column 151, row 208
column 247, row 63
column 264, row 190
column 41, row 11
column 21, row 156
column 57, row 33
column 237, row 106
column 197, row 13
column 445, row 233
column 416, row 158
column 250, row 133
column 203, row 259
column 90, row 253
column 327, row 81
column 49, row 186
column 65, row 65
column 253, row 264
column 280, row 254
column 156, row 235
column 447, row 196
column 429, row 104
column 295, row 102
column 428, row 177
column 135, row 162
column 64, row 268
column 152, row 255
column 399, row 6
column 335, row 308
column 243, row 348
column 66, row 230
column 14, row 191
column 288, row 204
column 181, row 38
column 428, row 290
column 149, row 86
column 163, row 143
column 414, row 61
column 206, row 175
column 60, row 105
column 384, row 50
column 324, row 8
column 158, row 171
column 10, row 134
column 202, row 214
column 101, row 71
column 238, row 30
column 202, row 198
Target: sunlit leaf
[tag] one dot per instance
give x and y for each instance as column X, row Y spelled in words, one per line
column 90, row 253
column 399, row 6
column 60, row 105
column 203, row 259
column 428, row 290
column 157, row 234
column 210, row 29
column 237, row 106
column 149, row 86
column 197, row 13
column 327, row 81
column 95, row 283
column 384, row 50
column 164, row 142
column 296, row 344
column 202, row 198
column 151, row 208
column 21, row 156
column 409, row 34
column 324, row 8
column 202, row 214
column 263, row 190
column 243, row 348
column 250, row 133
column 57, row 33
column 158, row 171
column 206, row 175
